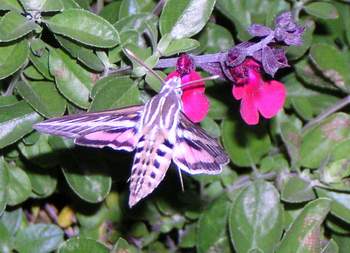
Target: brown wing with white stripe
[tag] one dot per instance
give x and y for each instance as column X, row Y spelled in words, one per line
column 117, row 129
column 195, row 151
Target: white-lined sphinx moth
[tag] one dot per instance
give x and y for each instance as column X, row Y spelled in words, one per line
column 158, row 132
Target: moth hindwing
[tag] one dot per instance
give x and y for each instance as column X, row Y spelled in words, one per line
column 158, row 132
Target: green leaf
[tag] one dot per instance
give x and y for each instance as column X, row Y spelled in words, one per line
column 19, row 187
column 12, row 5
column 43, row 183
column 153, row 81
column 185, row 18
column 85, row 27
column 211, row 232
column 305, row 101
column 109, row 12
column 291, row 136
column 245, row 145
column 40, row 153
column 72, row 80
column 43, row 97
column 333, row 64
column 303, row 235
column 319, row 142
column 14, row 26
column 12, row 220
column 39, row 238
column 215, row 38
column 40, row 60
column 256, row 220
column 131, row 7
column 322, row 10
column 340, row 203
column 12, row 57
column 121, row 245
column 84, row 55
column 310, row 75
column 88, row 178
column 16, row 120
column 32, row 73
column 297, row 190
column 211, row 127
column 295, row 52
column 82, row 245
column 4, row 180
column 42, row 5
column 336, row 171
column 114, row 92
column 331, row 247
column 180, row 46
column 5, row 240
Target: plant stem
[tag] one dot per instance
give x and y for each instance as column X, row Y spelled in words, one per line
column 340, row 104
column 12, row 84
column 158, row 8
column 198, row 59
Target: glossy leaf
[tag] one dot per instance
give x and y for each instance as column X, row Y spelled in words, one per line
column 81, row 245
column 211, row 232
column 333, row 64
column 84, row 55
column 245, row 145
column 43, row 97
column 16, row 121
column 42, row 5
column 19, row 186
column 303, row 235
column 297, row 190
column 111, row 93
column 320, row 141
column 39, row 238
column 72, row 80
column 88, row 179
column 13, row 20
column 85, row 27
column 180, row 46
column 12, row 5
column 215, row 38
column 40, row 61
column 322, row 10
column 4, row 180
column 131, row 7
column 185, row 18
column 340, row 203
column 256, row 220
column 12, row 57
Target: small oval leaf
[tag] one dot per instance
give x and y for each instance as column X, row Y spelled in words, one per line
column 85, row 27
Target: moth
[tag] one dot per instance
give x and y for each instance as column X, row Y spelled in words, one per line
column 158, row 132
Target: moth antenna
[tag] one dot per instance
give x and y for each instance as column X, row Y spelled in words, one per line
column 200, row 80
column 139, row 61
column 181, row 181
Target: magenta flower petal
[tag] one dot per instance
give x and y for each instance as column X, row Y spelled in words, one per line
column 192, row 76
column 249, row 110
column 271, row 99
column 238, row 91
column 195, row 105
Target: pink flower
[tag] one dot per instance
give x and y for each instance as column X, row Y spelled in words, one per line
column 195, row 103
column 256, row 94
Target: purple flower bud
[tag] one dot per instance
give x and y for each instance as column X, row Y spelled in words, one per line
column 184, row 64
column 258, row 30
column 287, row 30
